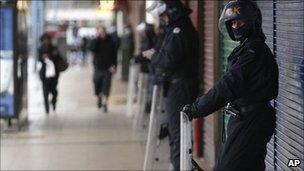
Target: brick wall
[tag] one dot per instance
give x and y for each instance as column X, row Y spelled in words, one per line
column 205, row 17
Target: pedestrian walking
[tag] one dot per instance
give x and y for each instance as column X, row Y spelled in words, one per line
column 49, row 73
column 104, row 61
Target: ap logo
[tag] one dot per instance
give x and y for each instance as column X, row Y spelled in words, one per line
column 293, row 163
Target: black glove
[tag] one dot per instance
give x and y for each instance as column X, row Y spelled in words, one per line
column 187, row 110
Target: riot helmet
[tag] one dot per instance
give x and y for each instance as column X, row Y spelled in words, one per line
column 174, row 9
column 245, row 11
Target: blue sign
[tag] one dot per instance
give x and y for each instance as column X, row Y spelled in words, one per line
column 6, row 25
column 6, row 62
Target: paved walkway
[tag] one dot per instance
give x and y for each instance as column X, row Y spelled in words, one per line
column 78, row 136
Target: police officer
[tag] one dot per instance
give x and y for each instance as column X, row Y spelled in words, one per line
column 247, row 88
column 178, row 57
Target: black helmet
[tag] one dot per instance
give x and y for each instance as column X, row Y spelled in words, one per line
column 174, row 8
column 244, row 10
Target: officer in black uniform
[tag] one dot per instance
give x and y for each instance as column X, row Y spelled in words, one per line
column 247, row 88
column 178, row 57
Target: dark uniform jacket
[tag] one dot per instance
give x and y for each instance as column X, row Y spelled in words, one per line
column 104, row 53
column 177, row 62
column 148, row 41
column 252, row 77
column 178, row 55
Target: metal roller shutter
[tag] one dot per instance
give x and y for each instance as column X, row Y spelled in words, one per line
column 289, row 39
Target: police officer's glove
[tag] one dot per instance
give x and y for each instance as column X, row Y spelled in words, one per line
column 187, row 110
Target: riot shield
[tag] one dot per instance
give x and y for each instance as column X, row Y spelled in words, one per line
column 186, row 143
column 140, row 115
column 157, row 147
column 132, row 89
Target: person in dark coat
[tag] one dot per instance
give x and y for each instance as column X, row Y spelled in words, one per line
column 247, row 88
column 48, row 52
column 148, row 41
column 178, row 57
column 83, row 47
column 105, row 61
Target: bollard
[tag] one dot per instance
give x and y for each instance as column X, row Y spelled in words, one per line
column 139, row 118
column 132, row 88
column 157, row 150
column 186, row 143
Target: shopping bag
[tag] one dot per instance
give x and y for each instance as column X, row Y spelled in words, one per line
column 50, row 68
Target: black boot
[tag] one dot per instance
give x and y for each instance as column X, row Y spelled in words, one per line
column 105, row 104
column 54, row 104
column 99, row 104
column 47, row 109
column 46, row 102
column 105, row 108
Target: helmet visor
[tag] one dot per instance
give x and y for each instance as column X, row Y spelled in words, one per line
column 231, row 11
column 157, row 8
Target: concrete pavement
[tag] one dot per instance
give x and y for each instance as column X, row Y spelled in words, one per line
column 77, row 136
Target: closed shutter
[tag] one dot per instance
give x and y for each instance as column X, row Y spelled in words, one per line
column 226, row 47
column 289, row 51
column 267, row 13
